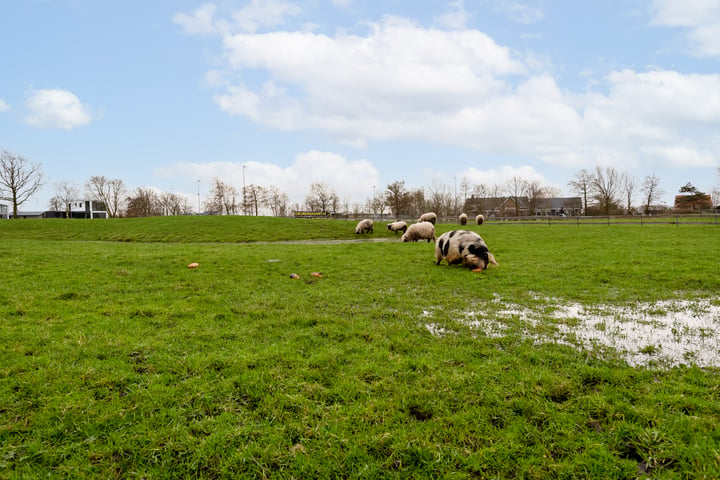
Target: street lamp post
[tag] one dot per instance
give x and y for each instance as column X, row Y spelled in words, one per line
column 198, row 197
column 244, row 204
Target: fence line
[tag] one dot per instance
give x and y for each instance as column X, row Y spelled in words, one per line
column 641, row 220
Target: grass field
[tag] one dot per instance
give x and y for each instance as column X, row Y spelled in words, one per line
column 117, row 361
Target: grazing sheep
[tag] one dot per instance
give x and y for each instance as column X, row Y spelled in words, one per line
column 364, row 226
column 397, row 227
column 428, row 217
column 462, row 246
column 479, row 219
column 463, row 219
column 419, row 231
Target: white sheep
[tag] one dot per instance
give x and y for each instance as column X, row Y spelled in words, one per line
column 479, row 219
column 428, row 217
column 462, row 246
column 463, row 219
column 364, row 226
column 419, row 231
column 397, row 227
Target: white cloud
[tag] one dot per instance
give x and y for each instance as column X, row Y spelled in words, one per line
column 457, row 18
column 700, row 19
column 352, row 178
column 4, row 106
column 199, row 22
column 501, row 175
column 250, row 18
column 383, row 85
column 401, row 81
column 520, row 12
column 56, row 108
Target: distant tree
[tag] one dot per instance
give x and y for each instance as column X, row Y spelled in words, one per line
column 112, row 193
column 516, row 187
column 377, row 204
column 465, row 188
column 534, row 190
column 440, row 198
column 222, row 198
column 581, row 184
column 255, row 198
column 605, row 187
column 651, row 192
column 276, row 201
column 397, row 198
column 629, row 185
column 144, row 202
column 173, row 204
column 716, row 191
column 418, row 205
column 693, row 198
column 322, row 198
column 65, row 194
column 19, row 179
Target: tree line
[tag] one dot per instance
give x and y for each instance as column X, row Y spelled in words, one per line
column 603, row 191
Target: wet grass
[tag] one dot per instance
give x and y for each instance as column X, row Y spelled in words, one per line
column 117, row 361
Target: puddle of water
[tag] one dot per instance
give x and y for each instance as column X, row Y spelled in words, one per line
column 663, row 333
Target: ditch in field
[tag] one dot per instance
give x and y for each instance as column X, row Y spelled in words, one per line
column 665, row 333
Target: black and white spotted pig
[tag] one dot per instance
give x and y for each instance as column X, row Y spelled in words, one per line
column 462, row 246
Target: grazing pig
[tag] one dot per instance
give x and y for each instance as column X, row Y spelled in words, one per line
column 419, row 231
column 479, row 219
column 397, row 227
column 463, row 219
column 428, row 217
column 364, row 226
column 462, row 246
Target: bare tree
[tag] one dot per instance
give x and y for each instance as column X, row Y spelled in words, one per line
column 65, row 194
column 173, row 204
column 581, row 184
column 112, row 193
column 223, row 198
column 440, row 198
column 19, row 179
column 276, row 201
column 715, row 194
column 629, row 185
column 322, row 198
column 255, row 197
column 516, row 187
column 397, row 198
column 606, row 187
column 651, row 192
column 144, row 202
column 465, row 188
column 418, row 204
column 534, row 190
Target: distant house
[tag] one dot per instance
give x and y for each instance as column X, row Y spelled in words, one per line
column 4, row 215
column 77, row 209
column 522, row 206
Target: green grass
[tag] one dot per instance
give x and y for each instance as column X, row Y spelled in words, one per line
column 117, row 361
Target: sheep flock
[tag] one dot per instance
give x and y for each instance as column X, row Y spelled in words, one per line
column 454, row 247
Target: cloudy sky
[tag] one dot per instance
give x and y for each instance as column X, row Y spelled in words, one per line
column 358, row 94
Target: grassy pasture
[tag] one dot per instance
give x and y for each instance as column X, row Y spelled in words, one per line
column 117, row 361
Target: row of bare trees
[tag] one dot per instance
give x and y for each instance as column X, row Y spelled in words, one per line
column 608, row 190
column 602, row 191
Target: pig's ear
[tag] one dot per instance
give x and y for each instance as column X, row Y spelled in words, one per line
column 492, row 259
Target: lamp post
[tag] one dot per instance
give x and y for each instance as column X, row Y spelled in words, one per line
column 373, row 204
column 198, row 197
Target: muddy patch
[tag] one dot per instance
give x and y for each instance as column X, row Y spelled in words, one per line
column 667, row 333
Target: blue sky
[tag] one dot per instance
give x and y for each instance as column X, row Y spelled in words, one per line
column 359, row 94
